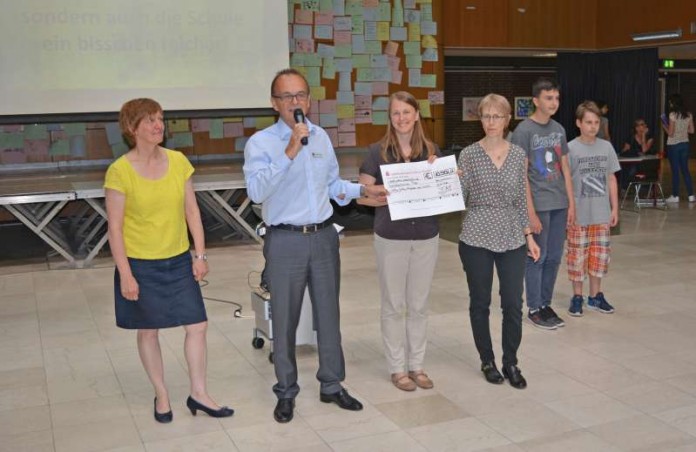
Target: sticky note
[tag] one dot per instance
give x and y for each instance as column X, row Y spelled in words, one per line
column 345, row 111
column 428, row 80
column 11, row 140
column 60, row 147
column 75, row 128
column 240, row 143
column 318, row 92
column 261, row 122
column 178, row 125
column 216, row 130
column 35, row 132
column 346, row 139
column 328, row 120
column 436, row 97
column 380, row 118
column 232, row 129
column 424, row 106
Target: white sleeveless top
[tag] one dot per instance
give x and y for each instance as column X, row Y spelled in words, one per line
column 681, row 129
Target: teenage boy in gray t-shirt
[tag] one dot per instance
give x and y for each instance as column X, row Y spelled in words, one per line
column 593, row 163
column 549, row 199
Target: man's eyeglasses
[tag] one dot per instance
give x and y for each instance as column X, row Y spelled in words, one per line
column 300, row 97
column 494, row 118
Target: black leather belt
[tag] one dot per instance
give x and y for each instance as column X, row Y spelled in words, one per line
column 305, row 228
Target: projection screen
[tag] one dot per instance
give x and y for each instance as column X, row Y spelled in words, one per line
column 84, row 56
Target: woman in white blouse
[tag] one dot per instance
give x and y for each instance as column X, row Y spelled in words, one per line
column 680, row 125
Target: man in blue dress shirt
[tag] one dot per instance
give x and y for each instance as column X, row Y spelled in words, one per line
column 295, row 181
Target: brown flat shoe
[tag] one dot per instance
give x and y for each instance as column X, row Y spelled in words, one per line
column 403, row 382
column 421, row 379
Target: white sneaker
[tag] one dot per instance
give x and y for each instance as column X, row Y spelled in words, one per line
column 672, row 199
column 692, row 198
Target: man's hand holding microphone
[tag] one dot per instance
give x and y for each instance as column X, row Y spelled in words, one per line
column 300, row 135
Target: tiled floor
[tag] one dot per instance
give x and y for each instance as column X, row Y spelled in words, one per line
column 71, row 381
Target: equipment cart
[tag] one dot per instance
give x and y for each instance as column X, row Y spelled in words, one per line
column 263, row 327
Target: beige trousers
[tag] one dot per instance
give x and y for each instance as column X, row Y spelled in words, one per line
column 405, row 269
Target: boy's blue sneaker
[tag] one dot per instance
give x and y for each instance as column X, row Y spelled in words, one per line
column 599, row 303
column 575, row 308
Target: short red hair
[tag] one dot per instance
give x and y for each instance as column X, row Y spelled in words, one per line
column 134, row 111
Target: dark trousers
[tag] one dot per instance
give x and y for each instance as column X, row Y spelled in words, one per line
column 540, row 277
column 678, row 155
column 295, row 261
column 478, row 265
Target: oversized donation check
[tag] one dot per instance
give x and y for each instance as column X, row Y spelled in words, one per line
column 420, row 189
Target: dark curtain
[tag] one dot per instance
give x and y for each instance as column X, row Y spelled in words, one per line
column 626, row 80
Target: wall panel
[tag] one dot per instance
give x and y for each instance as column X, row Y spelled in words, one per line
column 619, row 19
column 484, row 26
column 552, row 24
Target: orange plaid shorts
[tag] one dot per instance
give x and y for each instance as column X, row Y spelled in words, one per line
column 588, row 251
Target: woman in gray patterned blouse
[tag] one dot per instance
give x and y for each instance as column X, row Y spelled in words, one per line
column 495, row 231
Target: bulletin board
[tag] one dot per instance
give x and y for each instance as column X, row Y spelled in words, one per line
column 355, row 53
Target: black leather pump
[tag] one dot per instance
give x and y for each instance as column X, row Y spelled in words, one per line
column 194, row 406
column 163, row 418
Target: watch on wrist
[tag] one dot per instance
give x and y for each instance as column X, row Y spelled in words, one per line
column 362, row 191
column 203, row 257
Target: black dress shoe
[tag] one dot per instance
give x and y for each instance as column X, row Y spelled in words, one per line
column 163, row 418
column 283, row 410
column 514, row 376
column 342, row 399
column 491, row 373
column 194, row 406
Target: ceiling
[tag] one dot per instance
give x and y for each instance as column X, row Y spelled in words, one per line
column 674, row 52
column 680, row 52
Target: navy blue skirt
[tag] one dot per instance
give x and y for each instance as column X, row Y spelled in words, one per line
column 169, row 295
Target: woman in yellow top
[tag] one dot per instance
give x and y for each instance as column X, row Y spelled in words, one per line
column 149, row 202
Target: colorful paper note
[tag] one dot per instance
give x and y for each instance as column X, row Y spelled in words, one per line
column 75, row 128
column 346, row 139
column 233, row 129
column 36, row 132
column 216, row 131
column 424, row 107
column 345, row 111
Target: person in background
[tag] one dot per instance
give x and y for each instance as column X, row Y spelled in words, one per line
column 406, row 249
column 549, row 199
column 496, row 233
column 641, row 144
column 603, row 121
column 292, row 169
column 593, row 163
column 680, row 125
column 149, row 203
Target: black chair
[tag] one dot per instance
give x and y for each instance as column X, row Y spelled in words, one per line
column 646, row 184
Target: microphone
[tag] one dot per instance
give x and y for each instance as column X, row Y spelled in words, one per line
column 298, row 114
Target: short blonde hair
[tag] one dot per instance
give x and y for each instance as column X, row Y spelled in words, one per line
column 134, row 111
column 587, row 107
column 495, row 101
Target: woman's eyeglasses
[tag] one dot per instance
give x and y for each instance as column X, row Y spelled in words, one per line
column 494, row 118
